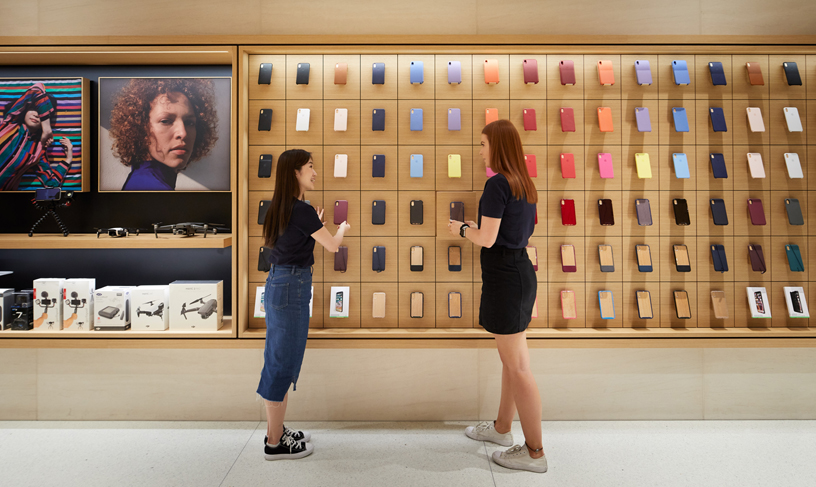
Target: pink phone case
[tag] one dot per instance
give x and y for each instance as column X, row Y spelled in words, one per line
column 605, row 165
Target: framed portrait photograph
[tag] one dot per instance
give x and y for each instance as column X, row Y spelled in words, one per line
column 164, row 134
column 43, row 134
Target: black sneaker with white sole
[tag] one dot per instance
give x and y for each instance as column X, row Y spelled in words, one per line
column 288, row 449
column 296, row 435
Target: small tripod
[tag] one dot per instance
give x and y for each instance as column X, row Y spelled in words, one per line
column 49, row 207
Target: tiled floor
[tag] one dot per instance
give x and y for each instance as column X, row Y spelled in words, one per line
column 659, row 453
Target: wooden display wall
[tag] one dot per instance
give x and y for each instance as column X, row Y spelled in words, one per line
column 510, row 97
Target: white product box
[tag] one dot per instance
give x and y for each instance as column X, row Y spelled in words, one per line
column 5, row 308
column 339, row 302
column 112, row 308
column 48, row 304
column 196, row 305
column 150, row 306
column 758, row 302
column 78, row 304
column 795, row 299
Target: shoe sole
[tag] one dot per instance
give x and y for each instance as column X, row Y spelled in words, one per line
column 528, row 468
column 475, row 437
column 288, row 456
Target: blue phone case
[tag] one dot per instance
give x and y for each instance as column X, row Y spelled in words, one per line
column 644, row 122
column 794, row 258
column 417, row 72
column 454, row 72
column 643, row 72
column 681, row 74
column 454, row 119
column 680, row 119
column 378, row 166
column 681, row 167
column 717, row 119
column 416, row 119
column 718, row 258
column 613, row 306
column 718, row 168
column 416, row 165
column 378, row 120
column 717, row 74
column 378, row 74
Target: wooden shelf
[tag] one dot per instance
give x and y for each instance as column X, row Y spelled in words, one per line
column 90, row 241
column 226, row 331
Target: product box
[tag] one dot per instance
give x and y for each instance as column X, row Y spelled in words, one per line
column 797, row 305
column 6, row 300
column 196, row 305
column 112, row 308
column 758, row 302
column 22, row 310
column 48, row 304
column 339, row 299
column 150, row 306
column 78, row 304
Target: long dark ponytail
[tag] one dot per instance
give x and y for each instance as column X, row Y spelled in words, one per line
column 287, row 189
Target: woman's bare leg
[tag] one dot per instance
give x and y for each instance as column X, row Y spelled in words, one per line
column 507, row 406
column 275, row 411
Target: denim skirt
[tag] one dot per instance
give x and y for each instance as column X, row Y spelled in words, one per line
column 508, row 290
column 286, row 300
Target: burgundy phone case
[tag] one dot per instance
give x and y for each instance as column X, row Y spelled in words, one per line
column 530, row 71
column 757, row 258
column 340, row 211
column 341, row 259
column 756, row 211
column 567, row 119
column 605, row 213
column 568, row 212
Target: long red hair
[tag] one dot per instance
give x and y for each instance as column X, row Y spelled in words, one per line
column 507, row 158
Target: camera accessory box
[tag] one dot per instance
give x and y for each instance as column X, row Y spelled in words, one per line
column 112, row 308
column 78, row 304
column 48, row 304
column 6, row 300
column 150, row 308
column 196, row 305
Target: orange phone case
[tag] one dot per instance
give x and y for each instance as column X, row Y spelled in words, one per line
column 606, row 74
column 491, row 70
column 605, row 119
column 340, row 73
column 754, row 74
column 491, row 115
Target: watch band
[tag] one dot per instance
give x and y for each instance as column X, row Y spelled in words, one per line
column 462, row 230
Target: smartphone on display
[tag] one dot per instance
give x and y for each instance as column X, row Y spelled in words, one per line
column 681, row 305
column 338, row 302
column 760, row 306
column 795, row 301
column 644, row 305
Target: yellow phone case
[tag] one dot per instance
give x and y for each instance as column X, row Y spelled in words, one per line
column 644, row 166
column 454, row 166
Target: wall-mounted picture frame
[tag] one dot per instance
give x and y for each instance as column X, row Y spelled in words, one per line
column 164, row 133
column 44, row 134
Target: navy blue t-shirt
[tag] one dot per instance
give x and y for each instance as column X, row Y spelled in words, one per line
column 517, row 216
column 296, row 245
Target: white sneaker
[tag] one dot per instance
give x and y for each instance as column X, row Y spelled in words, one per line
column 486, row 431
column 519, row 458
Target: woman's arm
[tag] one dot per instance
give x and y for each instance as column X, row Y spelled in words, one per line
column 484, row 236
column 331, row 243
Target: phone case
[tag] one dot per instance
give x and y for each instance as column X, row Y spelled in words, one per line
column 530, row 67
column 529, row 119
column 378, row 306
column 416, row 120
column 644, row 305
column 568, row 309
column 755, row 122
column 340, row 119
column 416, row 165
column 302, row 122
column 605, row 213
column 643, row 72
column 606, row 259
column 566, row 70
column 265, row 120
column 416, row 213
column 491, row 115
column 263, row 207
column 378, row 212
column 457, row 211
column 794, row 211
column 417, row 258
column 378, row 258
column 567, row 119
column 454, row 119
column 718, row 213
column 793, row 165
column 340, row 211
column 680, row 72
column 605, row 119
column 796, row 302
column 378, row 166
column 605, row 166
column 644, row 258
column 643, row 165
column 454, row 304
column 417, row 73
column 417, row 305
column 756, row 211
column 567, row 165
column 606, row 74
column 718, row 258
column 681, row 305
column 680, row 119
column 717, row 74
column 681, row 166
column 378, row 74
column 755, row 165
column 263, row 259
column 532, row 253
column 302, row 76
column 757, row 258
column 340, row 165
column 718, row 169
column 568, row 212
column 720, row 305
column 265, row 74
column 341, row 259
column 755, row 74
column 607, row 305
column 340, row 73
column 681, row 213
column 794, row 258
column 717, row 119
column 491, row 71
column 454, row 72
column 378, row 120
column 681, row 258
column 454, row 166
column 644, row 122
column 792, row 119
column 644, row 212
column 792, row 74
column 568, row 263
column 265, row 166
column 532, row 166
column 455, row 258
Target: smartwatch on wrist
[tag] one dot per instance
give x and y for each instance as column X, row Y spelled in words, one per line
column 462, row 229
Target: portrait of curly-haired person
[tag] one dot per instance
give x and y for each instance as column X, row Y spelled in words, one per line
column 164, row 134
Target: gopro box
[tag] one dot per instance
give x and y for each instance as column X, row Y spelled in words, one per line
column 150, row 306
column 112, row 308
column 78, row 304
column 196, row 305
column 6, row 300
column 48, row 304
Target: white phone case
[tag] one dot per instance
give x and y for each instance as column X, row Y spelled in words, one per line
column 302, row 124
column 755, row 121
column 792, row 117
column 340, row 165
column 340, row 119
column 794, row 166
column 755, row 165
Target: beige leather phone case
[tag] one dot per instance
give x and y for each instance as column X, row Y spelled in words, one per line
column 568, row 309
column 378, row 308
column 417, row 257
column 454, row 304
column 417, row 305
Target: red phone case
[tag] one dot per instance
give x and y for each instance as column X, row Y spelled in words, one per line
column 567, row 165
column 530, row 71
column 532, row 167
column 568, row 212
column 529, row 119
column 756, row 211
column 566, row 69
column 567, row 119
column 340, row 211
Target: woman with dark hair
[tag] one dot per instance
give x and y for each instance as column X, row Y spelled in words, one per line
column 506, row 220
column 290, row 230
column 159, row 126
column 25, row 134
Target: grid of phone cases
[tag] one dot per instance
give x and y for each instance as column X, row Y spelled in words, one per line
column 607, row 150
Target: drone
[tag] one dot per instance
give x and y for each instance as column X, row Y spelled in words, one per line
column 190, row 229
column 116, row 232
column 205, row 310
column 151, row 309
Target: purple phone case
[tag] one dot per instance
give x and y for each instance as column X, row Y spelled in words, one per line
column 643, row 72
column 454, row 119
column 644, row 123
column 454, row 72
